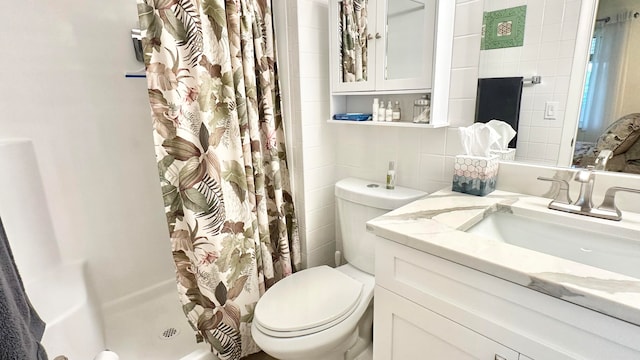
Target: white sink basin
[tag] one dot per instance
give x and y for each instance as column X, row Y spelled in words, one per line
column 603, row 250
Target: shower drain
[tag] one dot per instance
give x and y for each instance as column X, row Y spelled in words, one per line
column 169, row 333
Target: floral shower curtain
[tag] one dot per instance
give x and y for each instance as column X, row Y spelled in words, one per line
column 215, row 104
column 353, row 27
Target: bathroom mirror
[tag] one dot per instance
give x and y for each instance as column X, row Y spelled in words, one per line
column 403, row 18
column 558, row 46
column 611, row 88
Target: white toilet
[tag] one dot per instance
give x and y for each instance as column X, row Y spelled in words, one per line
column 324, row 313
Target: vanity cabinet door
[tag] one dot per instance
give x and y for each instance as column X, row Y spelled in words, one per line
column 381, row 45
column 404, row 330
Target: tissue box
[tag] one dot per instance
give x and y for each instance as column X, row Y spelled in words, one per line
column 509, row 154
column 475, row 175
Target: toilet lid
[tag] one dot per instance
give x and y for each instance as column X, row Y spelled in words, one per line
column 307, row 302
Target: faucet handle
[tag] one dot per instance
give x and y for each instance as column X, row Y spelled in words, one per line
column 563, row 193
column 585, row 175
column 601, row 160
column 609, row 202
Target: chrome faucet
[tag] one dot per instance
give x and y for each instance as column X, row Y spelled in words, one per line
column 601, row 160
column 586, row 178
column 584, row 204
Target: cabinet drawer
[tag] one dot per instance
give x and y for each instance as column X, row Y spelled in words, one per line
column 405, row 330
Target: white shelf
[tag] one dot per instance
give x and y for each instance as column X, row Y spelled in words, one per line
column 388, row 123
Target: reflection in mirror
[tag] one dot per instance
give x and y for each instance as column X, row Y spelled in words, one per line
column 353, row 44
column 404, row 21
column 609, row 118
column 547, row 50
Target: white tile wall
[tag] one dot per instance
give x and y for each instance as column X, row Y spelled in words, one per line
column 309, row 53
column 465, row 63
column 328, row 152
column 424, row 157
column 550, row 33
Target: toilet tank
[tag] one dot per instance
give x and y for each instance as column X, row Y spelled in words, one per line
column 359, row 201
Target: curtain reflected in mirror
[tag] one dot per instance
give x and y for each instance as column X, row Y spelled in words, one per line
column 610, row 99
column 353, row 27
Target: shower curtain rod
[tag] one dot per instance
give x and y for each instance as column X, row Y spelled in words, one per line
column 608, row 18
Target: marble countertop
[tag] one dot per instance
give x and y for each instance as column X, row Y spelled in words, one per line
column 437, row 223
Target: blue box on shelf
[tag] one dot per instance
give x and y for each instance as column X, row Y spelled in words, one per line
column 352, row 116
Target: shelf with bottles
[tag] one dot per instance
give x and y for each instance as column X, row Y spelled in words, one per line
column 364, row 104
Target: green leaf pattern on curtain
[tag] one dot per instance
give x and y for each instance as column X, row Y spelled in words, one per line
column 354, row 42
column 215, row 106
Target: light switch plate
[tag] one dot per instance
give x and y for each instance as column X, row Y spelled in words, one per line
column 551, row 110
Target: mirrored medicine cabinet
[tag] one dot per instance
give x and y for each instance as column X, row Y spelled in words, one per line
column 386, row 49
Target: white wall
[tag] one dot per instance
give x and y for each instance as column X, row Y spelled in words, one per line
column 318, row 152
column 63, row 87
column 324, row 153
column 549, row 42
column 305, row 82
column 424, row 157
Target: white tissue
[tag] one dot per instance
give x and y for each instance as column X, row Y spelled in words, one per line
column 478, row 139
column 505, row 131
column 107, row 355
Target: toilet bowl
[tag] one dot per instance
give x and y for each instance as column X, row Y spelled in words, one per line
column 307, row 327
column 324, row 313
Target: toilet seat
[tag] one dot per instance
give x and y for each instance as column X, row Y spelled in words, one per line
column 307, row 302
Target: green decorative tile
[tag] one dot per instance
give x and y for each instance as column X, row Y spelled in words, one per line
column 503, row 28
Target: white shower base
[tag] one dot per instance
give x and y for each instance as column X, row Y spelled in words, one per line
column 140, row 328
column 134, row 328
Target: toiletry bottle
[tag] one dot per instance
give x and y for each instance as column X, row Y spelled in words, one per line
column 421, row 110
column 395, row 114
column 381, row 111
column 374, row 110
column 388, row 113
column 428, row 111
column 391, row 175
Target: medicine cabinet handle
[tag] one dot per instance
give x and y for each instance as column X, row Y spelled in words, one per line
column 378, row 36
column 369, row 37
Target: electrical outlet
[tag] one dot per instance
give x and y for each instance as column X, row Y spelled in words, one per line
column 551, row 110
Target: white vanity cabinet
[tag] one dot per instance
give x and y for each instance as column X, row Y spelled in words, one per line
column 427, row 307
column 405, row 330
column 382, row 45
